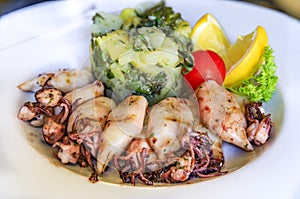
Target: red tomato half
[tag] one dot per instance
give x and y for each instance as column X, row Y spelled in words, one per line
column 208, row 65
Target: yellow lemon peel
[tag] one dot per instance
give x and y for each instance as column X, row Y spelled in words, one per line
column 244, row 56
column 208, row 34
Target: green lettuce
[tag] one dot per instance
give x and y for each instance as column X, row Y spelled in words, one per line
column 262, row 85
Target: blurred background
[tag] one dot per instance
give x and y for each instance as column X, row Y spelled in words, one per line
column 291, row 7
column 7, row 6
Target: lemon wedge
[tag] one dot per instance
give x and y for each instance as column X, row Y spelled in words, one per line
column 208, row 34
column 244, row 56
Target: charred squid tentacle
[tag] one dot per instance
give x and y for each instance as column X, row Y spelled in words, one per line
column 34, row 113
column 48, row 96
column 69, row 151
column 259, row 125
column 52, row 130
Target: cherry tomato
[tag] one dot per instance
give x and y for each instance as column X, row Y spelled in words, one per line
column 208, row 65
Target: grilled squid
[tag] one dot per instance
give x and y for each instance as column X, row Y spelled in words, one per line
column 64, row 80
column 222, row 115
column 123, row 124
column 168, row 122
column 81, row 95
column 87, row 121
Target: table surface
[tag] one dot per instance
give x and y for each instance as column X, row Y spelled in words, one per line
column 7, row 6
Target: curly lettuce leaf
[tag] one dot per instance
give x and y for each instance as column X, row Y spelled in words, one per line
column 261, row 86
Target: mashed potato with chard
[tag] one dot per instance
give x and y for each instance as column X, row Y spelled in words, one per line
column 140, row 54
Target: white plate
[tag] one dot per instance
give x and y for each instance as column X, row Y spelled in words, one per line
column 56, row 35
